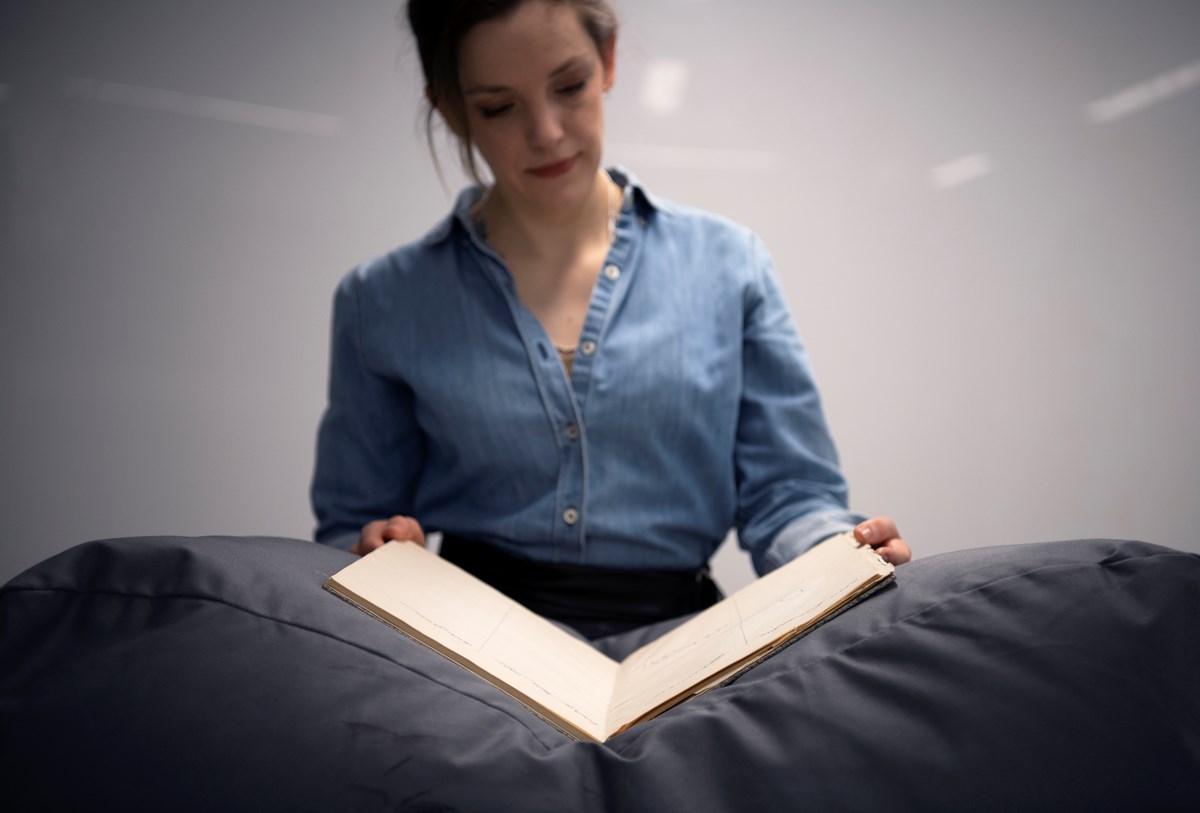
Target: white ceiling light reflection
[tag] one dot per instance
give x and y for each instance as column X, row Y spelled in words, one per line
column 665, row 86
column 961, row 171
column 1140, row 96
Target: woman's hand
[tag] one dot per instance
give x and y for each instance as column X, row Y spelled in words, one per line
column 401, row 528
column 881, row 534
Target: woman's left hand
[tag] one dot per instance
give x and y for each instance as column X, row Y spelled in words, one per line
column 883, row 537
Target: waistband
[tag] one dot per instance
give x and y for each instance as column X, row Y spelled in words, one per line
column 597, row 601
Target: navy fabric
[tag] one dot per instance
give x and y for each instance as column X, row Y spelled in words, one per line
column 216, row 674
column 596, row 601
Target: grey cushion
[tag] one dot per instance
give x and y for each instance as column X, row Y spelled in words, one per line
column 215, row 674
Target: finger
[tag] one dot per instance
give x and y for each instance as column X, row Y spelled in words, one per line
column 363, row 548
column 370, row 538
column 372, row 534
column 404, row 529
column 876, row 531
column 895, row 551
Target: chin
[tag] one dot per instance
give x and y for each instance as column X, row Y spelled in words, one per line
column 563, row 189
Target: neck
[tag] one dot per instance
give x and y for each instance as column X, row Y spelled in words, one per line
column 517, row 231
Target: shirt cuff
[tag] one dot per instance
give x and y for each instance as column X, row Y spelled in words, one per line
column 801, row 534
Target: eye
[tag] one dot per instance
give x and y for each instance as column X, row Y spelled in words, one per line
column 572, row 89
column 494, row 111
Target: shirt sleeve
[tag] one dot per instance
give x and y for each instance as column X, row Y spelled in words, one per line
column 369, row 448
column 791, row 492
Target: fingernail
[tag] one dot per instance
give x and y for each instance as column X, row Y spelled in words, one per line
column 865, row 532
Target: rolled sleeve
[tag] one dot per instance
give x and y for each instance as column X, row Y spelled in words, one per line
column 369, row 449
column 791, row 492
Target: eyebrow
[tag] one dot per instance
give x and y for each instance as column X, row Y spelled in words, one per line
column 567, row 65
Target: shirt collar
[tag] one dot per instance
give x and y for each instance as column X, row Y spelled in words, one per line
column 636, row 194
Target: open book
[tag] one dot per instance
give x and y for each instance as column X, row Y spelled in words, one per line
column 566, row 680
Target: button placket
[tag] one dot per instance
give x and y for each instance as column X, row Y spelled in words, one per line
column 572, row 497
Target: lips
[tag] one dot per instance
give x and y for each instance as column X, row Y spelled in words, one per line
column 555, row 169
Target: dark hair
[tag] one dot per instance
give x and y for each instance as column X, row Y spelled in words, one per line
column 439, row 27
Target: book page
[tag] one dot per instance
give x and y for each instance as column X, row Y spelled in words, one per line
column 743, row 627
column 484, row 630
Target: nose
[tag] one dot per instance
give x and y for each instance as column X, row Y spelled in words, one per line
column 543, row 126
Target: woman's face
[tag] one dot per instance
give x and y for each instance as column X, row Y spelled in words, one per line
column 533, row 92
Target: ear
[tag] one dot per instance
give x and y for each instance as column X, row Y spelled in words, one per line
column 608, row 58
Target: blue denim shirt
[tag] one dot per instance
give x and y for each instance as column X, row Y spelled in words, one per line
column 690, row 408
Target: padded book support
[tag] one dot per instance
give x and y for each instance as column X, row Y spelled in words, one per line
column 215, row 674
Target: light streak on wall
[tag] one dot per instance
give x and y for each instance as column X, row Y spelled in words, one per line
column 208, row 107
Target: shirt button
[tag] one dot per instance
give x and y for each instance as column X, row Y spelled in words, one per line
column 570, row 516
column 588, row 347
column 612, row 272
column 572, row 431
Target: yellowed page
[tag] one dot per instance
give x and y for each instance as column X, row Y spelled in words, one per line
column 766, row 612
column 484, row 630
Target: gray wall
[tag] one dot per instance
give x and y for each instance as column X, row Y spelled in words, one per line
column 986, row 215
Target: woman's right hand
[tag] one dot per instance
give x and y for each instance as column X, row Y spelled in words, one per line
column 375, row 534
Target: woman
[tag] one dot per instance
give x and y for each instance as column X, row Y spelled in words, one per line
column 581, row 385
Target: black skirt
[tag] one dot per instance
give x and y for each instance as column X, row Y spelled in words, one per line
column 597, row 601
